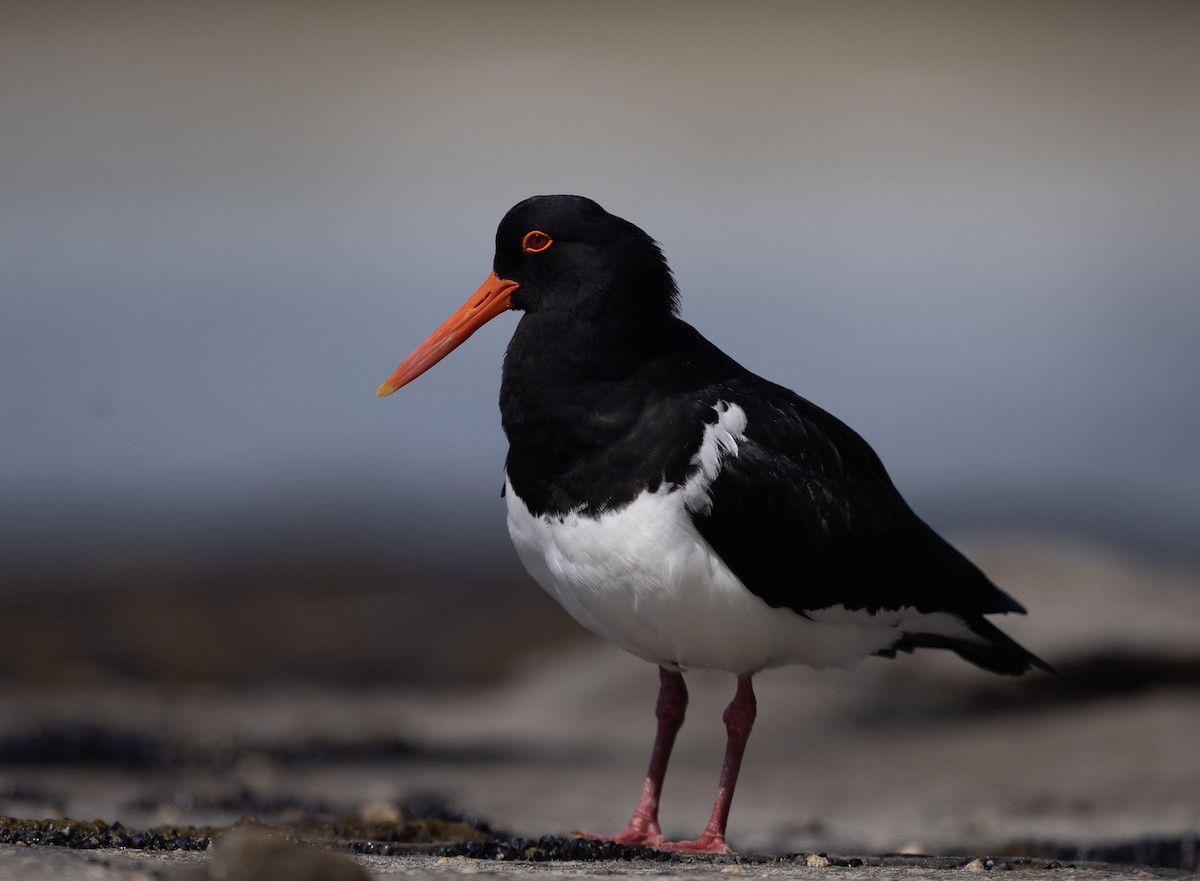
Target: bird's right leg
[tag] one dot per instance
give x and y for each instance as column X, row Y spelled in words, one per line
column 643, row 827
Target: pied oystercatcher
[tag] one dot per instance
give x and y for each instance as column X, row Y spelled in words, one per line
column 687, row 510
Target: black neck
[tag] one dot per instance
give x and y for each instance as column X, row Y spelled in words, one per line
column 564, row 381
column 591, row 421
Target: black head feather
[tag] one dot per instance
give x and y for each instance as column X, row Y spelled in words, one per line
column 599, row 267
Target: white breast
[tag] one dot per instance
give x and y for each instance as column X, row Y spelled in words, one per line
column 644, row 578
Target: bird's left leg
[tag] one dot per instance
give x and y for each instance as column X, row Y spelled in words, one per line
column 739, row 719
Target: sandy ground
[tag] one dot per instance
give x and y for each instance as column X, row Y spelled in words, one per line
column 55, row 865
column 924, row 754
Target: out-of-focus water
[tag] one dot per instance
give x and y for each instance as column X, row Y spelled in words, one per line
column 968, row 230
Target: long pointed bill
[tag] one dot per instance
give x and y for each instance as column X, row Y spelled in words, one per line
column 485, row 304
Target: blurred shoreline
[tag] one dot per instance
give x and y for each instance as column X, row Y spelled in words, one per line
column 87, row 541
column 361, row 619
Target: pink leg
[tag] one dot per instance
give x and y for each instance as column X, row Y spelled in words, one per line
column 643, row 827
column 739, row 719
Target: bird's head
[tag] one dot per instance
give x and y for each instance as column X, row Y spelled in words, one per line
column 564, row 258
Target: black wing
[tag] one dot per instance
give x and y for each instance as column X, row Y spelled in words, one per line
column 807, row 518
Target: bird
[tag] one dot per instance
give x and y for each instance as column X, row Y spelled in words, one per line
column 687, row 510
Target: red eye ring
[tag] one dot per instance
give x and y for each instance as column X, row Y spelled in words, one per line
column 536, row 240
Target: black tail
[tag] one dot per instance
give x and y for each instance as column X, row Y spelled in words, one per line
column 998, row 653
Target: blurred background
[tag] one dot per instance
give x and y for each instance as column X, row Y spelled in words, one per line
column 233, row 581
column 969, row 230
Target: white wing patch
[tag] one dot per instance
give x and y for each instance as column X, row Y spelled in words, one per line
column 720, row 439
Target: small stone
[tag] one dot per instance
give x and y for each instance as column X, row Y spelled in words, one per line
column 976, row 865
column 381, row 812
column 816, row 861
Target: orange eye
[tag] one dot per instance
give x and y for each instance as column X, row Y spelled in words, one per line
column 536, row 241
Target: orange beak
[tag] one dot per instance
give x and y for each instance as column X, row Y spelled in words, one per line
column 490, row 300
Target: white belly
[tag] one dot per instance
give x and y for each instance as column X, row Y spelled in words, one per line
column 644, row 578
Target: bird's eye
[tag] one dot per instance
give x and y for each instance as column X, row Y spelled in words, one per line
column 536, row 241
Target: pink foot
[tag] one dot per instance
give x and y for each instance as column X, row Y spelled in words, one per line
column 708, row 842
column 638, row 832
